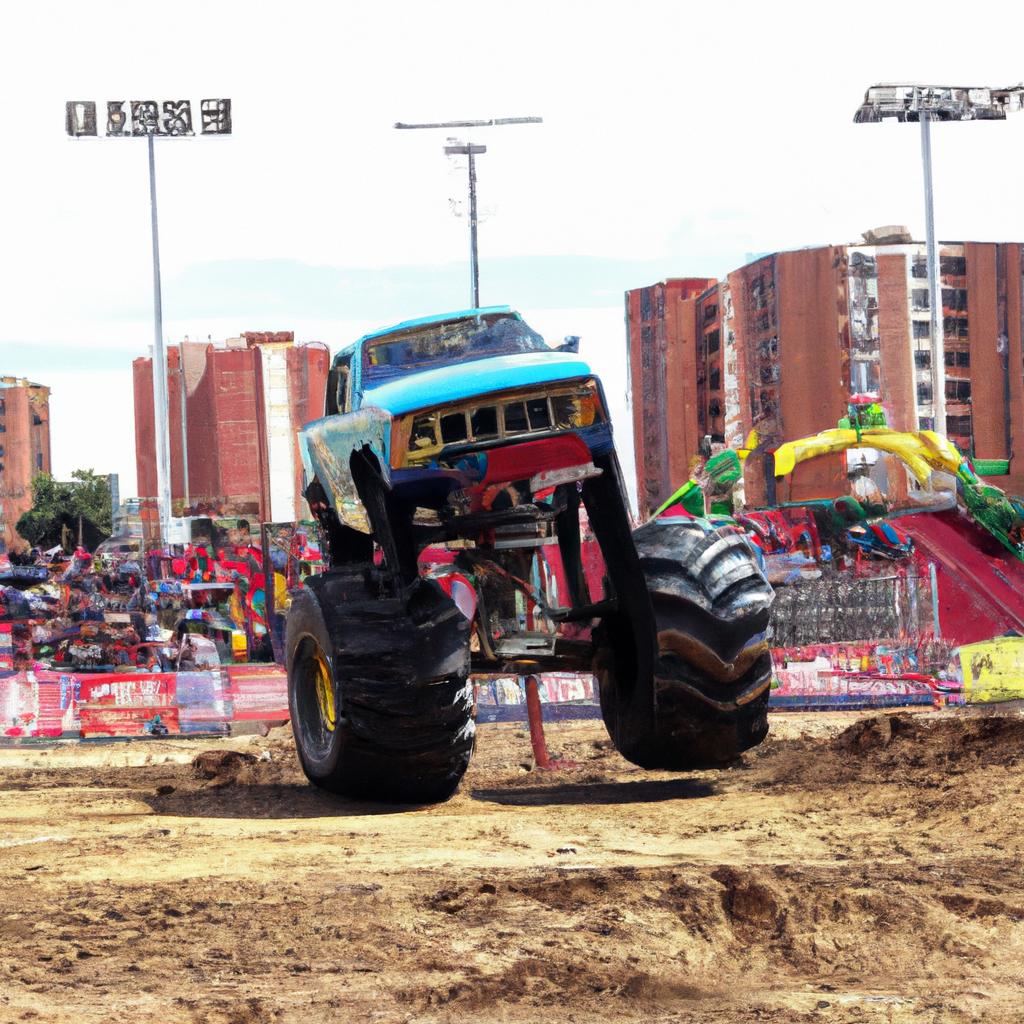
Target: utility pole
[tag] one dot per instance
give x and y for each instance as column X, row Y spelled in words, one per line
column 151, row 119
column 938, row 341
column 160, row 421
column 471, row 151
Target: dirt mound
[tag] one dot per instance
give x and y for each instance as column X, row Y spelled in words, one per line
column 955, row 744
column 224, row 766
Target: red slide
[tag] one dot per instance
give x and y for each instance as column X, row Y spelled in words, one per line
column 981, row 585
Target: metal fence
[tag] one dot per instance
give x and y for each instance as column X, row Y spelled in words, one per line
column 840, row 608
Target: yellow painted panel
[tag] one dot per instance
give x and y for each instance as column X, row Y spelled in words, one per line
column 993, row 670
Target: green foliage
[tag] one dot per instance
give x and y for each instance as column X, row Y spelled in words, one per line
column 57, row 503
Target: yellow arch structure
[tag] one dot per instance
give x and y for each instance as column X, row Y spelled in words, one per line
column 923, row 451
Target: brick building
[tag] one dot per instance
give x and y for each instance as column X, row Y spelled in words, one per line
column 24, row 451
column 780, row 344
column 243, row 402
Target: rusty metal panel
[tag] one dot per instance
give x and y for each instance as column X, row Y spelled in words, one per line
column 1015, row 363
column 896, row 344
column 755, row 302
column 661, row 327
column 24, row 451
column 813, row 394
column 145, row 431
column 681, row 411
column 203, row 442
column 308, row 366
column 986, row 365
column 651, row 398
column 237, row 426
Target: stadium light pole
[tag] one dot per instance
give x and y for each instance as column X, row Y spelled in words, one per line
column 471, row 151
column 151, row 120
column 924, row 104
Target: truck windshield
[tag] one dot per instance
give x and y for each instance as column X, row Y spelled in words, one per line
column 453, row 341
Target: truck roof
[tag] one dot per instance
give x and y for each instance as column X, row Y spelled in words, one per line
column 425, row 321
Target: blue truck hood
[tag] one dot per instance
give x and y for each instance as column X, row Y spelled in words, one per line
column 458, row 381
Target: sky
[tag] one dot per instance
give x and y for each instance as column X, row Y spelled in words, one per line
column 676, row 141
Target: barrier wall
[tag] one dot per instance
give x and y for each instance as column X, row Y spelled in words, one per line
column 43, row 704
column 564, row 696
column 854, row 676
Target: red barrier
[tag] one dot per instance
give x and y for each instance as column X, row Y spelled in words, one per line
column 258, row 692
column 143, row 720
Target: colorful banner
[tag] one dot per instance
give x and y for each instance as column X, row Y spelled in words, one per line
column 841, row 678
column 6, row 647
column 257, row 692
column 135, row 720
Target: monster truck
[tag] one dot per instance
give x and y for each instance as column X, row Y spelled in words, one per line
column 475, row 521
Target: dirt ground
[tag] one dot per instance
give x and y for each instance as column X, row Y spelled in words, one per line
column 852, row 869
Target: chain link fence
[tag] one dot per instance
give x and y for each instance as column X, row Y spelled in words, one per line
column 841, row 608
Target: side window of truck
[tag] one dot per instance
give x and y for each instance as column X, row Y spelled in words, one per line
column 337, row 387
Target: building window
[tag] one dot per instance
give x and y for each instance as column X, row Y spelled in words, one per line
column 955, row 327
column 959, row 426
column 3, row 406
column 922, row 329
column 39, row 461
column 958, row 390
column 955, row 266
column 919, row 298
column 924, row 393
column 710, row 312
column 958, row 358
column 923, row 360
column 954, row 298
column 715, row 380
column 919, row 268
column 714, row 339
column 37, row 420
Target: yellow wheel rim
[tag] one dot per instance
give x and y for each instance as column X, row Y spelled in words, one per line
column 324, row 692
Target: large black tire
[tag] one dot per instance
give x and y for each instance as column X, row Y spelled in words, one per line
column 378, row 688
column 712, row 673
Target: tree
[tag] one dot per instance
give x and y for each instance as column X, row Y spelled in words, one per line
column 59, row 503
